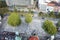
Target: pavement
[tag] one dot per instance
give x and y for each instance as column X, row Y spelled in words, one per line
column 35, row 25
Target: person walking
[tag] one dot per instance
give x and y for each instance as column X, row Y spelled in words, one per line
column 17, row 36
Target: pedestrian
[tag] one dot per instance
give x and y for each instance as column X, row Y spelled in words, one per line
column 17, row 36
column 34, row 37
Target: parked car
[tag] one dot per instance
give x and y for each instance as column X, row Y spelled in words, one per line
column 8, row 35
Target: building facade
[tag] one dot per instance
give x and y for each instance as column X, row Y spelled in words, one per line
column 20, row 4
column 51, row 5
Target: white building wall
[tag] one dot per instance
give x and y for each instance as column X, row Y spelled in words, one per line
column 9, row 2
column 49, row 8
column 42, row 7
column 47, row 0
column 18, row 2
column 41, row 1
column 51, row 0
column 32, row 2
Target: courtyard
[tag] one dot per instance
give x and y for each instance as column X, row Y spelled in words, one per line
column 35, row 25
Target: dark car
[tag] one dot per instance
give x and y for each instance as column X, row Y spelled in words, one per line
column 8, row 35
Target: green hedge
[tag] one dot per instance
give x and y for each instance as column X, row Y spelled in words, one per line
column 49, row 27
column 3, row 11
column 58, row 16
column 40, row 14
column 52, row 14
column 14, row 19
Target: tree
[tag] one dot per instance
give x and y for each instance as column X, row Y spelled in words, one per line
column 3, row 11
column 3, row 4
column 58, row 16
column 14, row 19
column 40, row 14
column 52, row 14
column 3, row 7
column 49, row 27
column 28, row 18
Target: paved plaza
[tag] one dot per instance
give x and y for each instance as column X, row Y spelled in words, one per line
column 36, row 25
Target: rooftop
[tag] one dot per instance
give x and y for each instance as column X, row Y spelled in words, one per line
column 53, row 3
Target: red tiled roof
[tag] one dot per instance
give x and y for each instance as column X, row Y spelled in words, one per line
column 52, row 3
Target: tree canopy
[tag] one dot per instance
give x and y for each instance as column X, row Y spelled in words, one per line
column 28, row 18
column 52, row 14
column 14, row 19
column 3, row 4
column 49, row 27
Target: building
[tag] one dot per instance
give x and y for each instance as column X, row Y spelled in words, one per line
column 20, row 4
column 55, row 5
column 51, row 5
column 43, row 6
